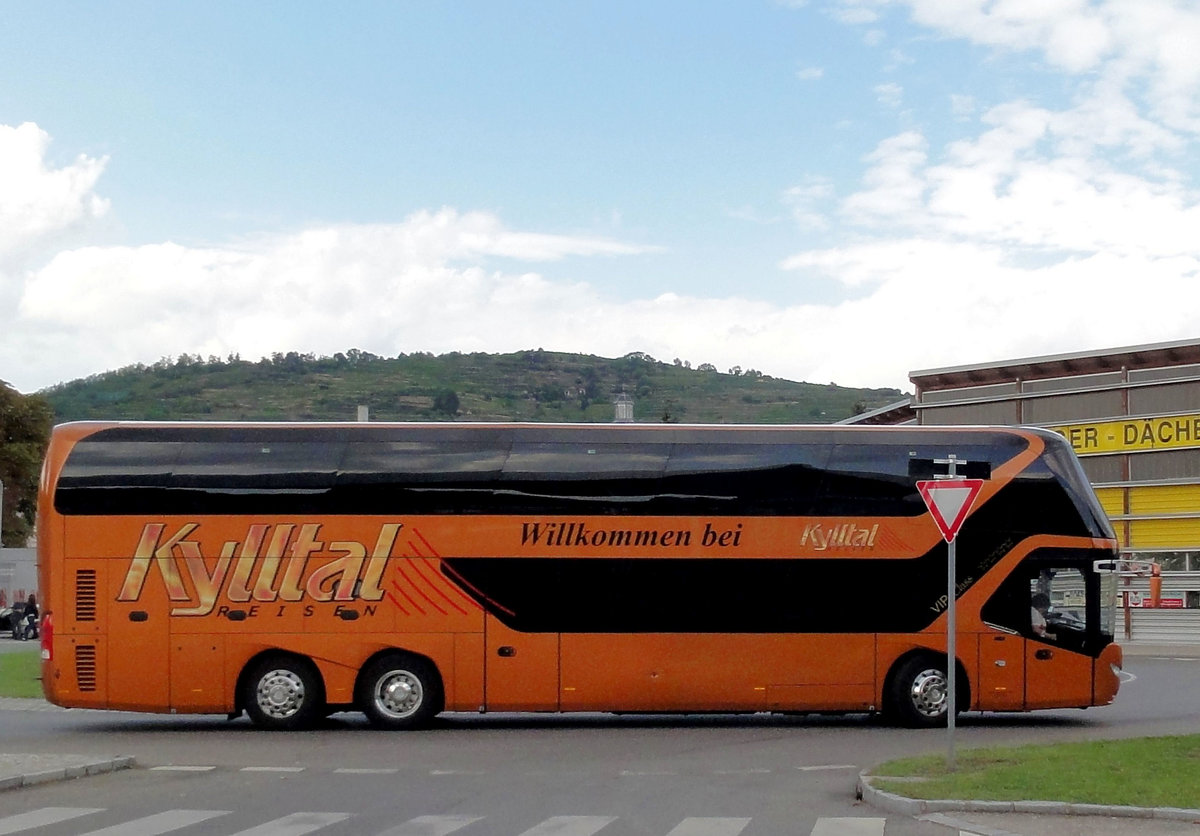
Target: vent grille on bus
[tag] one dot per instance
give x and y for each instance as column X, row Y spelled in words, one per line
column 85, row 595
column 85, row 667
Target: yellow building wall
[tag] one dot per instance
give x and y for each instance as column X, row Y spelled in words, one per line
column 1150, row 500
column 1159, row 516
column 1112, row 500
column 1181, row 534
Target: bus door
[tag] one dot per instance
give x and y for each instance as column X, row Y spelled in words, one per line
column 1001, row 670
column 520, row 669
column 1058, row 671
column 1036, row 653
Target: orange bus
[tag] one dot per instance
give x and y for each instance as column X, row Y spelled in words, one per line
column 289, row 571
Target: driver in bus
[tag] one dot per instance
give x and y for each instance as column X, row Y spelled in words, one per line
column 1040, row 604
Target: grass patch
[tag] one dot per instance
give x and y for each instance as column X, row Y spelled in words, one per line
column 20, row 673
column 1145, row 772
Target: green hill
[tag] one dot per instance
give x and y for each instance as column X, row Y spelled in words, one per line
column 522, row 386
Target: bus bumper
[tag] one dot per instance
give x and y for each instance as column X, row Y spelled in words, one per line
column 1107, row 675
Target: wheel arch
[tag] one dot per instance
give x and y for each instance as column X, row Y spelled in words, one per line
column 239, row 691
column 384, row 652
column 399, row 689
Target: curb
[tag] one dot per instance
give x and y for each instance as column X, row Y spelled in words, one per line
column 25, row 771
column 904, row 805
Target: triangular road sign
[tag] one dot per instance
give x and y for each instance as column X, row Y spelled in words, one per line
column 949, row 501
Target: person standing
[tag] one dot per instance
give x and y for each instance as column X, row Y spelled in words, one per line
column 29, row 619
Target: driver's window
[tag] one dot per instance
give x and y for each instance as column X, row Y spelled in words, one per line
column 1058, row 605
column 1042, row 602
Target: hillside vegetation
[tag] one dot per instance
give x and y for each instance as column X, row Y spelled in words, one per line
column 523, row 386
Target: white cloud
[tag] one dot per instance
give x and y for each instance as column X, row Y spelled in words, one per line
column 890, row 94
column 810, row 73
column 1008, row 186
column 962, row 106
column 894, row 181
column 430, row 282
column 38, row 203
column 1049, row 230
column 416, row 285
column 854, row 14
column 1074, row 34
column 934, row 301
column 1146, row 46
column 874, row 37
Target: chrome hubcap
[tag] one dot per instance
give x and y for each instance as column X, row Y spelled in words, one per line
column 280, row 694
column 929, row 693
column 398, row 694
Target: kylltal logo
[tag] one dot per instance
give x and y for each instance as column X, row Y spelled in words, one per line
column 272, row 563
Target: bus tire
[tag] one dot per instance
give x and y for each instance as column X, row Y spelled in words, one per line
column 283, row 693
column 918, row 693
column 399, row 691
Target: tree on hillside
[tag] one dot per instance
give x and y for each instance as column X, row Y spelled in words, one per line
column 446, row 402
column 25, row 422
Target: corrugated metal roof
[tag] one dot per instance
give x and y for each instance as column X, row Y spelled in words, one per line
column 1178, row 352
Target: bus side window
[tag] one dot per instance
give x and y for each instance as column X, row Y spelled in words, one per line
column 1008, row 608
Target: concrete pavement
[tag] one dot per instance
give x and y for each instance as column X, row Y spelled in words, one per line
column 27, row 769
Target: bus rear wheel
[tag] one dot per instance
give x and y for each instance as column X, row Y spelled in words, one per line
column 919, row 693
column 283, row 693
column 399, row 691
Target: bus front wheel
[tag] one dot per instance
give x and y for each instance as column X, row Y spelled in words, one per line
column 283, row 693
column 918, row 696
column 399, row 691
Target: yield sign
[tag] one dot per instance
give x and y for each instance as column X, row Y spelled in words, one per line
column 949, row 501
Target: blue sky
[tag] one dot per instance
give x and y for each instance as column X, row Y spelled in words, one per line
column 833, row 190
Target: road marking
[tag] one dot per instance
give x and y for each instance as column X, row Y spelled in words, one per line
column 644, row 773
column 827, row 766
column 709, row 827
column 848, row 827
column 456, row 772
column 431, row 826
column 43, row 817
column 271, row 769
column 158, row 823
column 182, row 768
column 297, row 824
column 570, row 826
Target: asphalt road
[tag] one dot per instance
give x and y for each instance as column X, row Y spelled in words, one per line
column 530, row 774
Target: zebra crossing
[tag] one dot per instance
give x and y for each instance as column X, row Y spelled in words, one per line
column 83, row 821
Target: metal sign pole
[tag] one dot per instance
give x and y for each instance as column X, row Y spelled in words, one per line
column 949, row 533
column 951, row 463
column 949, row 500
column 951, row 656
